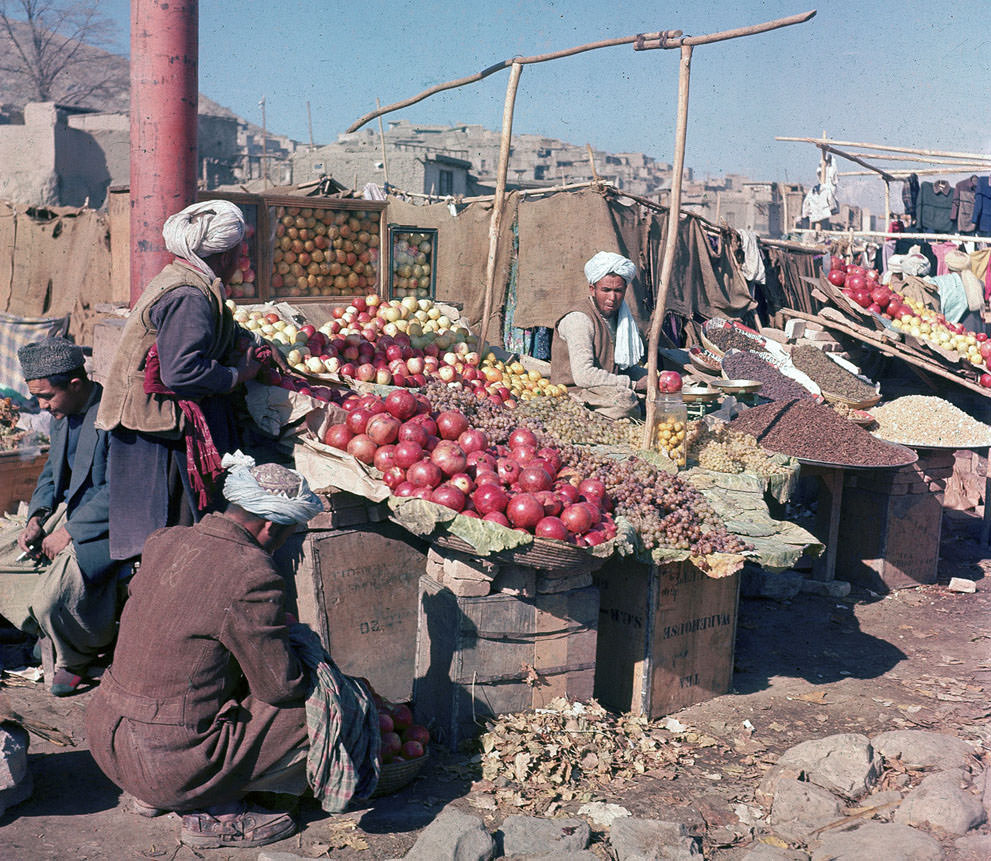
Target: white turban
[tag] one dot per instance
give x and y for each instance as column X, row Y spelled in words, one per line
column 295, row 503
column 202, row 229
column 608, row 263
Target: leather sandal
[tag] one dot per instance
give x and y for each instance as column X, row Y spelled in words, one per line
column 64, row 682
column 253, row 826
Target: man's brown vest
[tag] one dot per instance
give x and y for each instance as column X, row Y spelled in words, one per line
column 124, row 400
column 602, row 344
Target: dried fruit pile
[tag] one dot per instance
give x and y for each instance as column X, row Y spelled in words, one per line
column 776, row 386
column 809, row 430
column 570, row 751
column 829, row 376
column 920, row 420
column 723, row 450
column 568, row 421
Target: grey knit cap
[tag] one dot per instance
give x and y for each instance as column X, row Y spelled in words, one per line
column 49, row 357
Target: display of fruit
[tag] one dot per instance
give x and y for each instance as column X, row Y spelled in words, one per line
column 242, row 284
column 412, row 264
column 669, row 437
column 318, row 251
column 564, row 419
column 524, row 384
column 720, row 449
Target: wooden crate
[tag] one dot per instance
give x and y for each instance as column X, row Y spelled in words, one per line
column 891, row 523
column 357, row 588
column 498, row 654
column 19, row 473
column 666, row 636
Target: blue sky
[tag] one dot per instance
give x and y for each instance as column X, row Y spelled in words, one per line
column 910, row 73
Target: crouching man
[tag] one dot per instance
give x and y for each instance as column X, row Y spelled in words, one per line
column 204, row 702
column 74, row 605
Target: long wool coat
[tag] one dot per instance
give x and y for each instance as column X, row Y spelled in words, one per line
column 205, row 693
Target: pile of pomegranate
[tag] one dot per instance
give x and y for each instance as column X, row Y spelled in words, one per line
column 402, row 739
column 440, row 457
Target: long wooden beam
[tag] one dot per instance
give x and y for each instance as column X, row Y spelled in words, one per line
column 905, row 149
column 880, row 234
column 856, row 160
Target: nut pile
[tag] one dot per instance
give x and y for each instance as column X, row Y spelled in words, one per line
column 829, row 376
column 776, row 386
column 920, row 420
column 731, row 338
column 723, row 450
column 808, row 430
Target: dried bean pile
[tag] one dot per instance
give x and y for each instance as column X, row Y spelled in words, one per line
column 812, row 431
column 829, row 376
column 776, row 386
column 730, row 338
column 920, row 420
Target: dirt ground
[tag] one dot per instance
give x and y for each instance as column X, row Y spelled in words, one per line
column 806, row 668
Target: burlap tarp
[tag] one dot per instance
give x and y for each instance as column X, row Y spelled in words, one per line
column 462, row 252
column 55, row 262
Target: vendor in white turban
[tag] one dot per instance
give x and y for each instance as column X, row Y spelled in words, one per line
column 597, row 348
column 170, row 432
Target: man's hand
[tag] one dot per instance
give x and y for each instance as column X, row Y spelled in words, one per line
column 56, row 542
column 640, row 385
column 247, row 367
column 31, row 535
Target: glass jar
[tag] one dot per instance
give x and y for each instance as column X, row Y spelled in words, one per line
column 670, row 425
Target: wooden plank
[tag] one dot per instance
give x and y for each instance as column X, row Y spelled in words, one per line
column 19, row 471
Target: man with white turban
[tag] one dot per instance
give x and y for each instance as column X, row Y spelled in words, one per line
column 171, row 430
column 597, row 348
column 205, row 701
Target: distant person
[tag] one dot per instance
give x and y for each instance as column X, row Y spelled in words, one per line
column 75, row 602
column 172, row 425
column 596, row 346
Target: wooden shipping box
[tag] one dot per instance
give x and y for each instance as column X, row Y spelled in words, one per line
column 666, row 636
column 19, row 473
column 357, row 588
column 499, row 653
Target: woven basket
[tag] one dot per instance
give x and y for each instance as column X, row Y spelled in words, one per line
column 856, row 405
column 701, row 360
column 710, row 347
column 544, row 553
column 395, row 775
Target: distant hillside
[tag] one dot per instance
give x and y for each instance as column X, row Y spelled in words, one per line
column 99, row 82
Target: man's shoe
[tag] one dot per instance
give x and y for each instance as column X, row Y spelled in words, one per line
column 254, row 826
column 64, row 682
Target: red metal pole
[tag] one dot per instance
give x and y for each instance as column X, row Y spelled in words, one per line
column 164, row 95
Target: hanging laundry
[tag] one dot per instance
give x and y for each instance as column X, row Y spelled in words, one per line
column 934, row 206
column 962, row 212
column 910, row 194
column 982, row 206
column 753, row 261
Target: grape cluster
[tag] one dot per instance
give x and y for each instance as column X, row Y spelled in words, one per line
column 665, row 511
column 723, row 450
column 568, row 421
column 497, row 421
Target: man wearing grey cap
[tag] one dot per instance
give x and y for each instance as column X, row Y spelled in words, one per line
column 74, row 604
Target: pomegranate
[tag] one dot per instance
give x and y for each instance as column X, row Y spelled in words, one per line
column 669, row 382
column 508, row 470
column 423, row 473
column 552, row 527
column 412, row 750
column 496, row 517
column 535, row 478
column 402, row 717
column 525, row 511
column 473, row 440
column 522, row 436
column 481, row 460
column 382, row 428
column 593, row 489
column 357, row 420
column 523, row 454
column 567, row 492
column 417, row 733
column 385, row 723
column 401, row 404
column 385, row 457
column 449, row 457
column 451, row 424
column 490, row 498
column 393, row 477
column 552, row 457
column 413, row 431
column 577, row 518
column 362, row 447
column 551, row 502
column 449, row 496
column 837, row 277
column 407, row 453
column 338, row 436
column 404, row 488
column 462, row 481
column 391, row 746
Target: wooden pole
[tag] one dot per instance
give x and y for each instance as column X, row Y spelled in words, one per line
column 928, row 237
column 591, row 162
column 670, row 240
column 887, row 203
column 948, row 162
column 264, row 144
column 904, row 173
column 495, row 223
column 385, row 159
column 905, row 149
column 309, row 123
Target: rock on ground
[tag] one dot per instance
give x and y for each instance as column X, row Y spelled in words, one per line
column 601, row 813
column 941, row 802
column 453, row 836
column 843, row 763
column 652, row 840
column 764, row 852
column 920, row 749
column 973, row 847
column 878, row 840
column 15, row 780
column 530, row 835
column 800, row 808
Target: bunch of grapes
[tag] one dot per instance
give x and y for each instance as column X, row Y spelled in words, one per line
column 665, row 511
column 723, row 450
column 568, row 421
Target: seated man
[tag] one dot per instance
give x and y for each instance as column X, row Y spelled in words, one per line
column 204, row 702
column 596, row 346
column 75, row 602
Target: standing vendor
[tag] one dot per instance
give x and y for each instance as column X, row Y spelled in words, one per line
column 166, row 398
column 597, row 347
column 74, row 604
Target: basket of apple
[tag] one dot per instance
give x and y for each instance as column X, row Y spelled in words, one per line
column 403, row 748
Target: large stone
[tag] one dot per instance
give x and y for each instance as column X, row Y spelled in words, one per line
column 764, row 852
column 800, row 808
column 917, row 748
column 530, row 835
column 845, row 763
column 601, row 813
column 583, row 855
column 973, row 847
column 652, row 840
column 827, row 588
column 941, row 802
column 453, row 836
column 757, row 583
column 15, row 780
column 877, row 840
